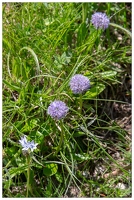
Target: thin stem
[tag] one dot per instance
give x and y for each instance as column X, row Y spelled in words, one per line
column 61, row 138
column 28, row 175
column 81, row 103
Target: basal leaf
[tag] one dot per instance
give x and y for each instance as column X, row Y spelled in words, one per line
column 94, row 91
column 50, row 169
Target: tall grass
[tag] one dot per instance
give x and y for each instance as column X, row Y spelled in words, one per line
column 44, row 45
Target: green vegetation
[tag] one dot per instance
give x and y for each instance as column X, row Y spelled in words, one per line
column 88, row 153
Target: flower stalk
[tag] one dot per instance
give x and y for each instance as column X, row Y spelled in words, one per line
column 28, row 175
column 28, row 148
column 58, row 110
column 61, row 138
column 81, row 103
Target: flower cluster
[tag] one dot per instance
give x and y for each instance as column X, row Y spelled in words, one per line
column 27, row 145
column 57, row 109
column 79, row 84
column 100, row 20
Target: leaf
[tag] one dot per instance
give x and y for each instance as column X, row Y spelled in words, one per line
column 7, row 184
column 59, row 177
column 82, row 156
column 12, row 86
column 78, row 134
column 10, row 150
column 48, row 190
column 31, row 124
column 50, row 169
column 45, row 4
column 19, row 196
column 16, row 171
column 90, row 41
column 5, row 41
column 64, row 59
column 94, row 91
column 82, row 32
column 37, row 136
column 35, row 58
column 108, row 74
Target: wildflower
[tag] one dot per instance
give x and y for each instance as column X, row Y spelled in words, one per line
column 27, row 145
column 57, row 109
column 100, row 20
column 79, row 84
column 32, row 145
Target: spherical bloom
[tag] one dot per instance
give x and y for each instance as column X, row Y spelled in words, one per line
column 79, row 84
column 57, row 109
column 27, row 145
column 100, row 20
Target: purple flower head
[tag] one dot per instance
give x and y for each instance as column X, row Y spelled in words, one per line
column 27, row 145
column 57, row 109
column 100, row 20
column 79, row 84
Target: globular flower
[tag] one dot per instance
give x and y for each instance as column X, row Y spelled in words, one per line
column 79, row 84
column 27, row 145
column 57, row 109
column 100, row 20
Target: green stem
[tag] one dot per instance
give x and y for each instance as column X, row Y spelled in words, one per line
column 28, row 175
column 61, row 138
column 81, row 103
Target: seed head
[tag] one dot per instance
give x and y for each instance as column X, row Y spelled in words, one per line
column 57, row 110
column 79, row 84
column 100, row 20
